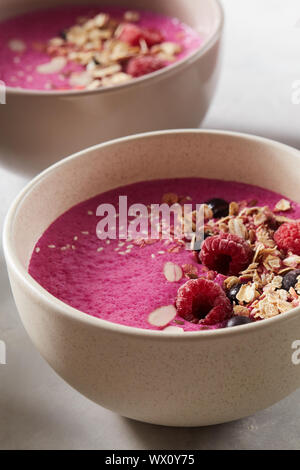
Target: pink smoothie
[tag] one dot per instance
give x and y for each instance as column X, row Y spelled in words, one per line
column 23, row 39
column 120, row 281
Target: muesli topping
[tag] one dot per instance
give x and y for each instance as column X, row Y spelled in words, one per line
column 238, row 275
column 258, row 290
column 109, row 51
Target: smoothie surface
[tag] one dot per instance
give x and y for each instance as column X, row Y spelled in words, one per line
column 123, row 281
column 23, row 40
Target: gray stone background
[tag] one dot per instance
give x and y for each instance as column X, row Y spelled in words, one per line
column 37, row 409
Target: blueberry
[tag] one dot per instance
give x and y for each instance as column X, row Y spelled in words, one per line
column 237, row 321
column 290, row 279
column 220, row 207
column 233, row 292
column 63, row 34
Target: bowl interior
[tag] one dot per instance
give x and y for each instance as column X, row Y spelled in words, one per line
column 159, row 155
column 204, row 16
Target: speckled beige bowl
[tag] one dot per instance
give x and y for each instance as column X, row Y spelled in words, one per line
column 39, row 127
column 178, row 380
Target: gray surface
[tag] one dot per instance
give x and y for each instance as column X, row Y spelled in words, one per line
column 37, row 409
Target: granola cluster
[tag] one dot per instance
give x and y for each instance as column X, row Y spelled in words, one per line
column 260, row 289
column 260, row 294
column 105, row 49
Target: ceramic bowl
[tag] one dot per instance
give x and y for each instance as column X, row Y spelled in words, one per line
column 39, row 127
column 193, row 379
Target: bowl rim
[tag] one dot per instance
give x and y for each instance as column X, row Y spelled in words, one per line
column 51, row 302
column 154, row 76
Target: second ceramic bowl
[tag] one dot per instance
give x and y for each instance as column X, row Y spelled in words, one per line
column 38, row 128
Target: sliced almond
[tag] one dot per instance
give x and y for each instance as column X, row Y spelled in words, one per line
column 89, row 25
column 260, row 217
column 106, row 71
column 166, row 50
column 82, row 79
column 162, row 316
column 241, row 311
column 16, row 45
column 116, row 79
column 173, row 329
column 77, row 36
column 103, row 58
column 236, row 227
column 120, row 51
column 284, row 306
column 292, row 261
column 282, row 206
column 101, row 20
column 54, row 66
column 172, row 272
column 170, row 48
column 272, row 263
column 267, row 309
column 56, row 42
column 94, row 85
column 247, row 293
column 82, row 58
column 91, row 66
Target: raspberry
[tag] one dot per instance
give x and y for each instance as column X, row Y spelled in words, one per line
column 152, row 37
column 287, row 237
column 203, row 301
column 139, row 66
column 225, row 253
column 131, row 34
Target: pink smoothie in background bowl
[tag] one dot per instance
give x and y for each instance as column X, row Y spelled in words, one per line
column 245, row 270
column 88, row 47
